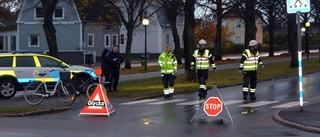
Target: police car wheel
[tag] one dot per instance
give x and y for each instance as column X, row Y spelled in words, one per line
column 7, row 89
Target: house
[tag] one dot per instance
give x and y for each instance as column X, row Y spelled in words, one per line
column 236, row 27
column 8, row 37
column 66, row 20
column 158, row 33
column 90, row 33
column 75, row 31
column 100, row 27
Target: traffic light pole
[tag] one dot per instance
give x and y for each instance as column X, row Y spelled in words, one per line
column 299, row 61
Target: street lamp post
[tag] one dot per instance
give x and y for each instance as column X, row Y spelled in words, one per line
column 306, row 39
column 145, row 22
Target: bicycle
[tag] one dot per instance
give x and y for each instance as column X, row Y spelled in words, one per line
column 36, row 91
column 83, row 83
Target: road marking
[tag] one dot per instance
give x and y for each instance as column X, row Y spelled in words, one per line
column 257, row 104
column 167, row 101
column 191, row 102
column 230, row 102
column 139, row 101
column 180, row 102
column 288, row 105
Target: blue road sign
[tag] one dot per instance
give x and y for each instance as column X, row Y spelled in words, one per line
column 294, row 6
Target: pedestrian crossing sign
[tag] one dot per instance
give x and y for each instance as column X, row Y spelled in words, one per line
column 294, row 6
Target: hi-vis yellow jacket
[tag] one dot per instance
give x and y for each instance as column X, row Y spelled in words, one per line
column 203, row 58
column 168, row 63
column 250, row 60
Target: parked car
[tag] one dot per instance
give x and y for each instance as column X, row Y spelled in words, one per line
column 17, row 69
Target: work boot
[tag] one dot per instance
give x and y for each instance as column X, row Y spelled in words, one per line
column 252, row 96
column 170, row 94
column 166, row 96
column 200, row 96
column 245, row 94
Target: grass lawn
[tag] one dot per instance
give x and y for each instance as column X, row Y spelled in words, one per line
column 152, row 87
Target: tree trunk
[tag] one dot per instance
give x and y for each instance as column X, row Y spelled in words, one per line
column 271, row 39
column 48, row 8
column 292, row 39
column 127, row 64
column 250, row 26
column 218, row 46
column 176, row 39
column 188, row 38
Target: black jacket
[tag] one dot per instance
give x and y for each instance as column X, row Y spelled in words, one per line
column 104, row 61
column 114, row 64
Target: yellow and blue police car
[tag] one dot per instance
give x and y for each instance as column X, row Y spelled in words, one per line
column 18, row 69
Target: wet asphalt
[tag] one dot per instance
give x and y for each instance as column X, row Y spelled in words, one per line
column 304, row 117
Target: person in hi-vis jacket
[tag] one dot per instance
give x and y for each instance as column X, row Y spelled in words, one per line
column 201, row 61
column 249, row 65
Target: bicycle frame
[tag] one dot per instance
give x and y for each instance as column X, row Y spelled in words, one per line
column 47, row 92
column 81, row 87
column 67, row 93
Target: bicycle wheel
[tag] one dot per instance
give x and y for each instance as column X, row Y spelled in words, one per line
column 34, row 92
column 83, row 82
column 67, row 93
column 90, row 89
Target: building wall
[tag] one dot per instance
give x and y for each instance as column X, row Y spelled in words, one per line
column 100, row 35
column 68, row 36
column 232, row 29
column 68, row 28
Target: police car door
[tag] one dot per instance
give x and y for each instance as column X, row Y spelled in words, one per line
column 24, row 67
column 48, row 64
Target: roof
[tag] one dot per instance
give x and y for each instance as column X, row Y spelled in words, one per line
column 97, row 10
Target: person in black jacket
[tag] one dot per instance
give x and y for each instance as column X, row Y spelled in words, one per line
column 114, row 60
column 105, row 71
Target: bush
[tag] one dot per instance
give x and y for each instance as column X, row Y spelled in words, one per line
column 231, row 48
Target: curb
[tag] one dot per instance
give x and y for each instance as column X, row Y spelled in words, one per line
column 37, row 112
column 287, row 123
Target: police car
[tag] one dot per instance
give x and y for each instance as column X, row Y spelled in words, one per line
column 18, row 69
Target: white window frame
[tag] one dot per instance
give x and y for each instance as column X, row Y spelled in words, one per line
column 167, row 39
column 29, row 41
column 54, row 14
column 92, row 40
column 238, row 24
column 35, row 13
column 115, row 39
column 236, row 38
column 107, row 44
column 121, row 39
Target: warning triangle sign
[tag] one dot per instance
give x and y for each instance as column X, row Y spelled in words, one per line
column 98, row 104
column 202, row 116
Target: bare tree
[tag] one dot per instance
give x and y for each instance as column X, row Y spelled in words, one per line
column 48, row 8
column 247, row 10
column 220, row 8
column 7, row 9
column 272, row 13
column 172, row 10
column 315, row 13
column 188, row 38
column 130, row 13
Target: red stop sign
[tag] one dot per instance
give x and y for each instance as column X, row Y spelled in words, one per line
column 212, row 106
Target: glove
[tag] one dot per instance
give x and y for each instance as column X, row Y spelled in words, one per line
column 262, row 66
column 174, row 76
column 240, row 71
